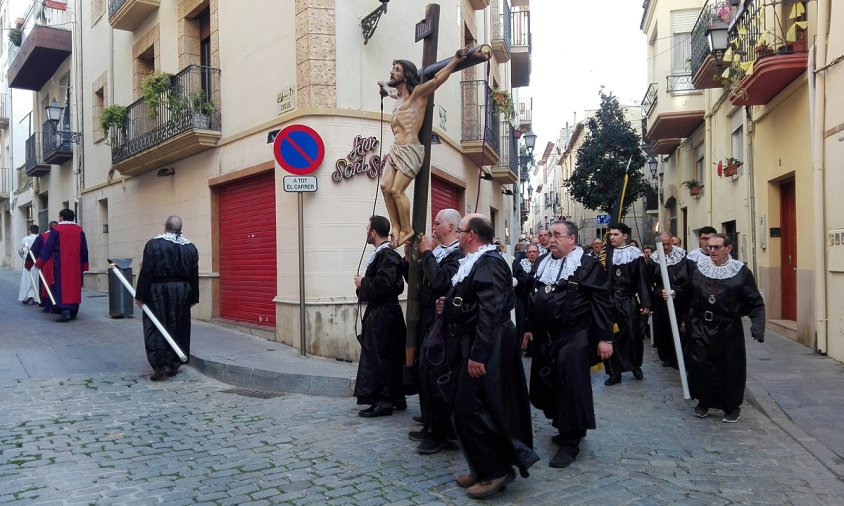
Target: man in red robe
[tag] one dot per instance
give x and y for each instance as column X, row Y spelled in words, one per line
column 67, row 247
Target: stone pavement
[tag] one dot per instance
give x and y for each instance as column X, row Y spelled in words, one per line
column 81, row 424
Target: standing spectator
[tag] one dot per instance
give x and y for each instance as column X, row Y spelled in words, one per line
column 721, row 290
column 435, row 356
column 647, row 251
column 629, row 279
column 523, row 285
column 67, row 247
column 676, row 241
column 491, row 407
column 29, row 288
column 379, row 379
column 570, row 324
column 169, row 284
column 676, row 264
column 597, row 246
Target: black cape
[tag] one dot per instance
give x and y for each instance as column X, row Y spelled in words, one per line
column 567, row 320
column 492, row 413
column 715, row 352
column 382, row 337
column 169, row 284
column 628, row 281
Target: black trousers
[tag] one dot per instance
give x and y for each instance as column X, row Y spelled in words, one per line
column 482, row 444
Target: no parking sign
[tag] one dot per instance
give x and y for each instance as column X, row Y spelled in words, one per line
column 299, row 149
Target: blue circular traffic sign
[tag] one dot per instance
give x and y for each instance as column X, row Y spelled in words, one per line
column 299, row 149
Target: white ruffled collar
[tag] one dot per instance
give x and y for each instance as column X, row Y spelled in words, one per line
column 173, row 237
column 625, row 255
column 549, row 272
column 467, row 262
column 371, row 257
column 712, row 271
column 441, row 251
column 677, row 254
column 66, row 223
column 526, row 265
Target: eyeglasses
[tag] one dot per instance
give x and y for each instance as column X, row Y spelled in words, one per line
column 715, row 247
column 460, row 230
column 496, row 243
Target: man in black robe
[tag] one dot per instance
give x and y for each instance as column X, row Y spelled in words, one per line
column 169, row 284
column 703, row 235
column 720, row 291
column 435, row 355
column 677, row 267
column 379, row 379
column 629, row 278
column 491, row 407
column 570, row 324
column 523, row 285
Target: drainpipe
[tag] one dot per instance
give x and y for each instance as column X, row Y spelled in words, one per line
column 751, row 182
column 817, row 102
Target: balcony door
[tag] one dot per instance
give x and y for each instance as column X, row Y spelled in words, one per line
column 788, row 250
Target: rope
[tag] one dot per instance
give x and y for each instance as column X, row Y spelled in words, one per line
column 374, row 203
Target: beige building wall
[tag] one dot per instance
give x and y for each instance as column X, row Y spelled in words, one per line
column 319, row 53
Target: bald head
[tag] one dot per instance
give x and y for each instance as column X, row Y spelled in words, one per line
column 450, row 216
column 173, row 224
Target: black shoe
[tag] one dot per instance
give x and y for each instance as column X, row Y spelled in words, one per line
column 418, row 419
column 701, row 412
column 158, row 375
column 733, row 416
column 613, row 380
column 171, row 371
column 418, row 435
column 65, row 317
column 379, row 409
column 562, row 459
column 637, row 373
column 431, row 445
column 400, row 405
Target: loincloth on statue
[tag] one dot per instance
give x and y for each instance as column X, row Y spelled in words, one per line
column 407, row 158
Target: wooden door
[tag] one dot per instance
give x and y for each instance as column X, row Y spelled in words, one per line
column 788, row 251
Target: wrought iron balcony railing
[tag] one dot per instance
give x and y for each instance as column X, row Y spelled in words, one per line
column 714, row 14
column 114, row 6
column 191, row 102
column 503, row 29
column 480, row 114
column 649, row 100
column 5, row 109
column 509, row 149
column 57, row 145
column 676, row 83
column 520, row 35
column 5, row 180
column 52, row 13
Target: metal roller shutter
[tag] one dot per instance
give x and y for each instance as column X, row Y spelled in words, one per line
column 444, row 195
column 248, row 250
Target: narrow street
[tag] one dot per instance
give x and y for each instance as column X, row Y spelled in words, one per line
column 107, row 435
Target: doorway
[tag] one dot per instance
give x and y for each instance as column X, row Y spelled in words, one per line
column 788, row 251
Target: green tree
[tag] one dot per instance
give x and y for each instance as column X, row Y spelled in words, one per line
column 602, row 159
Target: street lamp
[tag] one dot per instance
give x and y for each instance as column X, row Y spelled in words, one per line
column 718, row 39
column 54, row 112
column 530, row 141
column 652, row 165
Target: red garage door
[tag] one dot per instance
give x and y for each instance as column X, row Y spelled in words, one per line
column 444, row 195
column 248, row 250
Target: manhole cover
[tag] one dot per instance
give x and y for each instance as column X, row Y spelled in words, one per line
column 248, row 392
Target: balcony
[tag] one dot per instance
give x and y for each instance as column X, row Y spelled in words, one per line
column 768, row 50
column 57, row 145
column 480, row 138
column 525, row 113
column 507, row 169
column 5, row 182
column 705, row 66
column 181, row 126
column 46, row 43
column 668, row 118
column 128, row 14
column 34, row 164
column 520, row 49
column 501, row 38
column 24, row 180
column 5, row 110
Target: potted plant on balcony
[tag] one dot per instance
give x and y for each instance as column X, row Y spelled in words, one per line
column 730, row 166
column 154, row 87
column 201, row 107
column 762, row 49
column 116, row 117
column 504, row 101
column 15, row 36
column 693, row 185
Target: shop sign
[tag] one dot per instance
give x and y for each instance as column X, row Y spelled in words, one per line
column 363, row 158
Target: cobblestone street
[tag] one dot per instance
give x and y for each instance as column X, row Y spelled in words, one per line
column 121, row 439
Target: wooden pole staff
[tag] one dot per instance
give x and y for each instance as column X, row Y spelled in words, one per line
column 43, row 279
column 149, row 313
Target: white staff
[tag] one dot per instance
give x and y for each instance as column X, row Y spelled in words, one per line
column 651, row 326
column 43, row 279
column 672, row 315
column 148, row 311
column 35, row 289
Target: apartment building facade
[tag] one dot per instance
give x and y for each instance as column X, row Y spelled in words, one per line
column 194, row 141
column 737, row 81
